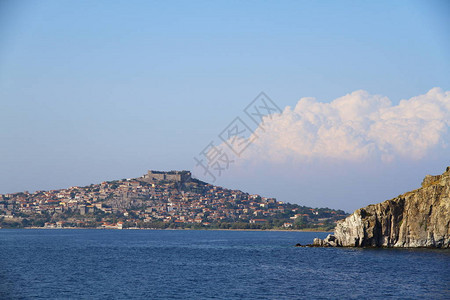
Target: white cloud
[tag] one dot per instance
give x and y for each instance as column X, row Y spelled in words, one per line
column 355, row 127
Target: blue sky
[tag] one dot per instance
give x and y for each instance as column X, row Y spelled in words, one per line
column 95, row 90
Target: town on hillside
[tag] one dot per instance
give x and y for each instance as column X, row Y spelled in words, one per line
column 158, row 200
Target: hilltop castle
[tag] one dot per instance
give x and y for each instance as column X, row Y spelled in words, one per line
column 174, row 176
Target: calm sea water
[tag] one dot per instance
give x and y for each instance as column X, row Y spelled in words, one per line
column 153, row 264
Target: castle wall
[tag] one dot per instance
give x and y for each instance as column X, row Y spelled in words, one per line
column 177, row 176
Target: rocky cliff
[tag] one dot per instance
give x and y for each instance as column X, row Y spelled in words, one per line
column 419, row 218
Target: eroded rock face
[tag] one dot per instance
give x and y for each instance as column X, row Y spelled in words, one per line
column 329, row 241
column 419, row 218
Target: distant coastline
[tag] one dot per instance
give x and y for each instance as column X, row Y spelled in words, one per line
column 159, row 200
column 180, row 229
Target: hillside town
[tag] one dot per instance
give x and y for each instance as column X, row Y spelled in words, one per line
column 158, row 200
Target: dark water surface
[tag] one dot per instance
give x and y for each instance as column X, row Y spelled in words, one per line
column 162, row 264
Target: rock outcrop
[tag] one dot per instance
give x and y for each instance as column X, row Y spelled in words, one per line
column 419, row 218
column 329, row 241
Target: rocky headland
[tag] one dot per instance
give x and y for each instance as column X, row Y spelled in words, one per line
column 419, row 218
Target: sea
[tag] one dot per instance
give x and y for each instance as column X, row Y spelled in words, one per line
column 209, row 264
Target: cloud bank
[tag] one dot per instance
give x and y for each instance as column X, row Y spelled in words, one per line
column 356, row 127
column 353, row 151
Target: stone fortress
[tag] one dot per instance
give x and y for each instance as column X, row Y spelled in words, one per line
column 173, row 176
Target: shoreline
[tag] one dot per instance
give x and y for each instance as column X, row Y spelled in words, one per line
column 180, row 229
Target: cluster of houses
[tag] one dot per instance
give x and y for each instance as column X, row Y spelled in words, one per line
column 111, row 204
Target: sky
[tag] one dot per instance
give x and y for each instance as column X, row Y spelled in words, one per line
column 103, row 90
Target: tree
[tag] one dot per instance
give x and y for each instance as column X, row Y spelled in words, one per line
column 300, row 222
